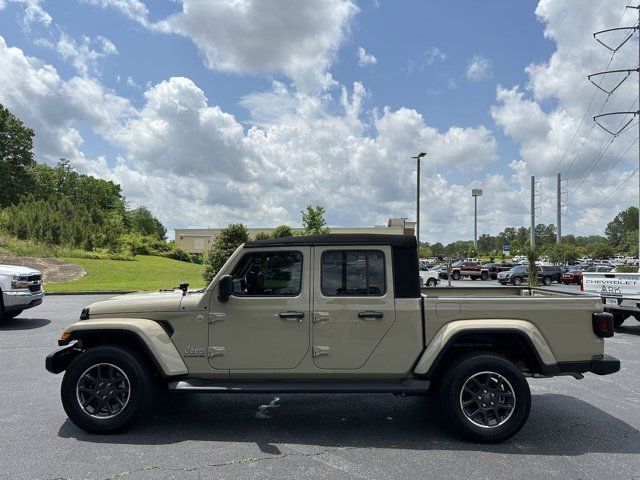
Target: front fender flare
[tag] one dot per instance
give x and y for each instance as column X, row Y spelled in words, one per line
column 149, row 332
column 447, row 334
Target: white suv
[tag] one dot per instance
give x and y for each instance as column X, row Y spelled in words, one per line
column 20, row 288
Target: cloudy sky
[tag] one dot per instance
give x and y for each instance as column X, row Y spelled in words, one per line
column 247, row 110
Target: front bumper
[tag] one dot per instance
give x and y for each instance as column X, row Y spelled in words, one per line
column 22, row 299
column 60, row 359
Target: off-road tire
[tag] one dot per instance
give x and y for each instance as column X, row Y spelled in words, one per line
column 566, row 283
column 432, row 282
column 455, row 276
column 517, row 281
column 473, row 277
column 484, row 276
column 490, row 366
column 546, row 281
column 138, row 376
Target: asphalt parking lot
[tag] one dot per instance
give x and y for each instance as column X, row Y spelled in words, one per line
column 586, row 429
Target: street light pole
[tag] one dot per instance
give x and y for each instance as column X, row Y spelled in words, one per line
column 418, row 157
column 475, row 193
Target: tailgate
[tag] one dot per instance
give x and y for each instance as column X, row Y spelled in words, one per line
column 611, row 284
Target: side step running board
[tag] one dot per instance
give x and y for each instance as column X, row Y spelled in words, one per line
column 408, row 386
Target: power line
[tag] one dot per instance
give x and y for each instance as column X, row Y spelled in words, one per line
column 620, row 158
column 617, row 188
column 586, row 112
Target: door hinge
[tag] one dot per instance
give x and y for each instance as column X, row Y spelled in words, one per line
column 215, row 351
column 217, row 317
column 320, row 317
column 319, row 351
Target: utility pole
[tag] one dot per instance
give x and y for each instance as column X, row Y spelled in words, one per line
column 559, row 211
column 628, row 71
column 475, row 192
column 418, row 157
column 533, row 212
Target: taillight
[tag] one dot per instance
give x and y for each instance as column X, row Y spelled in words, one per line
column 603, row 324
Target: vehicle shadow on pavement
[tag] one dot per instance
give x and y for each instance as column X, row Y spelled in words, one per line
column 558, row 425
column 21, row 323
column 630, row 329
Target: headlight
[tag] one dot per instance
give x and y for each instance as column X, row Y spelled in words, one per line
column 84, row 315
column 19, row 282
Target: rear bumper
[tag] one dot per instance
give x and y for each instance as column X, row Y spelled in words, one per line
column 605, row 365
column 600, row 365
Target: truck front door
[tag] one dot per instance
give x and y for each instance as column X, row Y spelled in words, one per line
column 353, row 304
column 265, row 322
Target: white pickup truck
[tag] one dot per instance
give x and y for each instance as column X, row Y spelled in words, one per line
column 620, row 293
column 20, row 288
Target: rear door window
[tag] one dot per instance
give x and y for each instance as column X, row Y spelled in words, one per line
column 353, row 272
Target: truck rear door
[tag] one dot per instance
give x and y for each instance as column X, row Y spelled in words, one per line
column 353, row 304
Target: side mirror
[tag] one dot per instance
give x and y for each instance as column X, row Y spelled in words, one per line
column 225, row 288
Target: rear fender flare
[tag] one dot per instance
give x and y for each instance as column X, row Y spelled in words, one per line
column 447, row 335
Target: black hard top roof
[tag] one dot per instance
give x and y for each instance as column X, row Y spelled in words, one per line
column 403, row 241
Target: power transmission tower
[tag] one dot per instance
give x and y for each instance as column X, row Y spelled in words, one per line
column 630, row 31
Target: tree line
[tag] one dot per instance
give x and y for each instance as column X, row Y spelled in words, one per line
column 58, row 206
column 621, row 238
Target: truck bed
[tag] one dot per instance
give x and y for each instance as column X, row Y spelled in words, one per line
column 562, row 319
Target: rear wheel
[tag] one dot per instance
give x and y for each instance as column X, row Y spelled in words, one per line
column 546, row 281
column 474, row 278
column 486, row 397
column 432, row 282
column 566, row 283
column 105, row 389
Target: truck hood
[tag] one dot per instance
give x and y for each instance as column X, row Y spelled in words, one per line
column 168, row 301
column 15, row 270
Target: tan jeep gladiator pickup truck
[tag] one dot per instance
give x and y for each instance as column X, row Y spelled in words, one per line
column 330, row 313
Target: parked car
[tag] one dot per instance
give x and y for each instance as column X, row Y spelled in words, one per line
column 495, row 268
column 428, row 278
column 519, row 274
column 20, row 288
column 572, row 276
column 324, row 314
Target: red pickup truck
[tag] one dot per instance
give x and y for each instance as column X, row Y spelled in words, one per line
column 473, row 270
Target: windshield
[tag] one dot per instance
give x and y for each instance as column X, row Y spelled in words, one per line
column 517, row 268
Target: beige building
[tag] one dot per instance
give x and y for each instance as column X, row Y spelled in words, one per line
column 199, row 240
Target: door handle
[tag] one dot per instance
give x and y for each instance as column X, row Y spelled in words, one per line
column 366, row 315
column 292, row 316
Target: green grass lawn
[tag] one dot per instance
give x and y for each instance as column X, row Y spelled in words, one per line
column 145, row 273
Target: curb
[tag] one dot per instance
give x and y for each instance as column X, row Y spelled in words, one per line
column 102, row 292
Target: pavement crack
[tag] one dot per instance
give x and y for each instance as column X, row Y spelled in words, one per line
column 238, row 461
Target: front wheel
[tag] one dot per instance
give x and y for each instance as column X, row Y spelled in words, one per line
column 455, row 276
column 486, row 397
column 517, row 281
column 105, row 389
column 432, row 282
column 484, row 276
